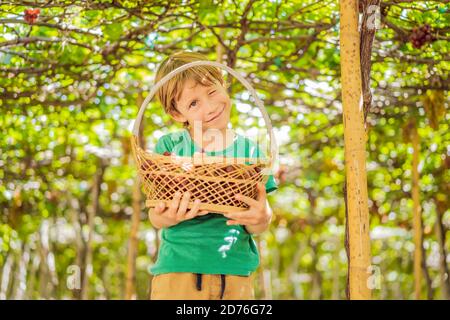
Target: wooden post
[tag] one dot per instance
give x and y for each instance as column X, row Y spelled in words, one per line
column 133, row 244
column 355, row 153
column 417, row 219
column 96, row 190
column 130, row 287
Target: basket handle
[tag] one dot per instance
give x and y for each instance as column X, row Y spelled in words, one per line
column 170, row 75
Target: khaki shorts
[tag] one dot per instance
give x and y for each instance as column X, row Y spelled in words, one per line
column 185, row 286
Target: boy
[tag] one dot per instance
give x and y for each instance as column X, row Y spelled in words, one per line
column 204, row 255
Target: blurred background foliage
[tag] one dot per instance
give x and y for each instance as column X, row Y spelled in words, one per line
column 73, row 73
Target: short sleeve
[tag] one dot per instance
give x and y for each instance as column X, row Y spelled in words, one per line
column 271, row 184
column 164, row 144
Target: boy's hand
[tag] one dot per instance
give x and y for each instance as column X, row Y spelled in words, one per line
column 257, row 217
column 177, row 212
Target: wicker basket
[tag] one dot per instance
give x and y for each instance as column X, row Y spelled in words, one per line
column 212, row 179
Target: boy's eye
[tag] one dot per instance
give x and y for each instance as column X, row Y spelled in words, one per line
column 192, row 103
column 212, row 92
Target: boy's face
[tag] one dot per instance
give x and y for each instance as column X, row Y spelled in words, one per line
column 208, row 105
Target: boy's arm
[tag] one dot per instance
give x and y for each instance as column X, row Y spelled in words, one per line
column 260, row 228
column 163, row 216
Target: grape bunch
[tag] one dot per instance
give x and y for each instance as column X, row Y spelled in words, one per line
column 31, row 15
column 421, row 35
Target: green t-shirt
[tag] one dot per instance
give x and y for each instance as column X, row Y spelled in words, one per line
column 206, row 244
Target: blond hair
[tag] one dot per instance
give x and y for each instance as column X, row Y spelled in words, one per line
column 170, row 92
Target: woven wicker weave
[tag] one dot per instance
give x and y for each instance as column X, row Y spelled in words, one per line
column 214, row 180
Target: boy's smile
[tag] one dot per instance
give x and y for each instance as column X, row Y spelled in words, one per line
column 218, row 115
